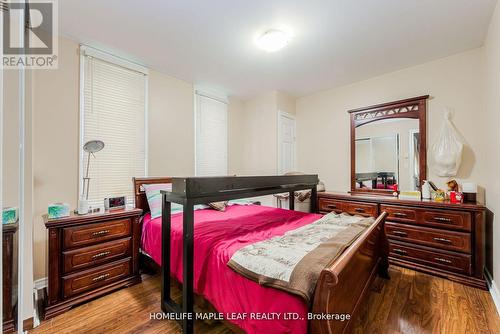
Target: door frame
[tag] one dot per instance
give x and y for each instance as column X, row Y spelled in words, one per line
column 411, row 152
column 292, row 117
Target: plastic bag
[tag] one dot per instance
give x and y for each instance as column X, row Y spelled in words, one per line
column 447, row 149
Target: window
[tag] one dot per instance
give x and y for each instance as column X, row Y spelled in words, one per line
column 113, row 97
column 211, row 136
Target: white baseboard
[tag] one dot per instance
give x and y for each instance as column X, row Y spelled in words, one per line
column 494, row 291
column 40, row 283
column 495, row 294
column 38, row 286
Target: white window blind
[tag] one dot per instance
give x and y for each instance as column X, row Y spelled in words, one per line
column 211, row 136
column 114, row 111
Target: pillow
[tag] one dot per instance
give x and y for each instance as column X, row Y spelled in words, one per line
column 153, row 194
column 220, row 206
column 154, row 198
column 242, row 201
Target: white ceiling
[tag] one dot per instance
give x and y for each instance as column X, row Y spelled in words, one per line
column 335, row 42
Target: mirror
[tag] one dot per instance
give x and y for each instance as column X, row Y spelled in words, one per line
column 12, row 132
column 387, row 155
column 387, row 147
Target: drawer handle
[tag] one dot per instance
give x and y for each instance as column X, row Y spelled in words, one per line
column 100, row 277
column 399, row 214
column 99, row 255
column 100, row 233
column 359, row 210
column 446, row 241
column 399, row 251
column 403, row 234
column 331, row 206
column 440, row 259
column 442, row 219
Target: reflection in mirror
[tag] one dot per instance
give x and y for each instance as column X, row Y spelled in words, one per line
column 387, row 155
column 11, row 192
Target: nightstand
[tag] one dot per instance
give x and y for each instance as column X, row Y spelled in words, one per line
column 91, row 255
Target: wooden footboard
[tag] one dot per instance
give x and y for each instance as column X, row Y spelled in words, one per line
column 343, row 285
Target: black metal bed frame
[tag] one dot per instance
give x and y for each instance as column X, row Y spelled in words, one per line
column 202, row 190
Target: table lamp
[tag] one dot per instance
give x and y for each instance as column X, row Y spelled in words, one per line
column 91, row 147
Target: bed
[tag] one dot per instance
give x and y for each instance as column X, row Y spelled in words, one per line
column 340, row 288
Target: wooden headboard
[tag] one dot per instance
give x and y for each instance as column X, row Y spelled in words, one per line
column 141, row 201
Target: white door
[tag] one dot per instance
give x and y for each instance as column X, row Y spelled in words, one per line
column 286, row 143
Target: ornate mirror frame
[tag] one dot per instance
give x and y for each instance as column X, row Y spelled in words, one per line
column 415, row 107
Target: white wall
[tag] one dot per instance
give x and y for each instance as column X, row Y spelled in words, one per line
column 171, row 126
column 492, row 133
column 260, row 136
column 55, row 143
column 457, row 82
column 285, row 102
column 236, row 137
column 253, row 132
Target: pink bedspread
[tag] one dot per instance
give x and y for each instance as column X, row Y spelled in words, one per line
column 218, row 235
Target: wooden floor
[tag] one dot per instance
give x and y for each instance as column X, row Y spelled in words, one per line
column 410, row 302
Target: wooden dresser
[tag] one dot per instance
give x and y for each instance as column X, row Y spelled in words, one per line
column 8, row 270
column 442, row 239
column 91, row 255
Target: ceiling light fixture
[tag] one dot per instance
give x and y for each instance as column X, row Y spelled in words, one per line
column 273, row 40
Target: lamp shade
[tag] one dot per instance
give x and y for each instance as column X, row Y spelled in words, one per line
column 93, row 146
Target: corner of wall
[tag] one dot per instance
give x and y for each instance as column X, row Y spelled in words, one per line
column 491, row 51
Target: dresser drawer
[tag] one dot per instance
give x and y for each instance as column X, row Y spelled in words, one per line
column 95, row 233
column 439, row 259
column 329, row 205
column 85, row 257
column 399, row 213
column 353, row 208
column 447, row 219
column 99, row 276
column 449, row 240
column 363, row 209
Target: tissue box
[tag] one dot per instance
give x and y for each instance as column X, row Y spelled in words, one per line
column 9, row 215
column 58, row 210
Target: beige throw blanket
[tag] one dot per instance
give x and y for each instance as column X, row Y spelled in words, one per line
column 294, row 261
